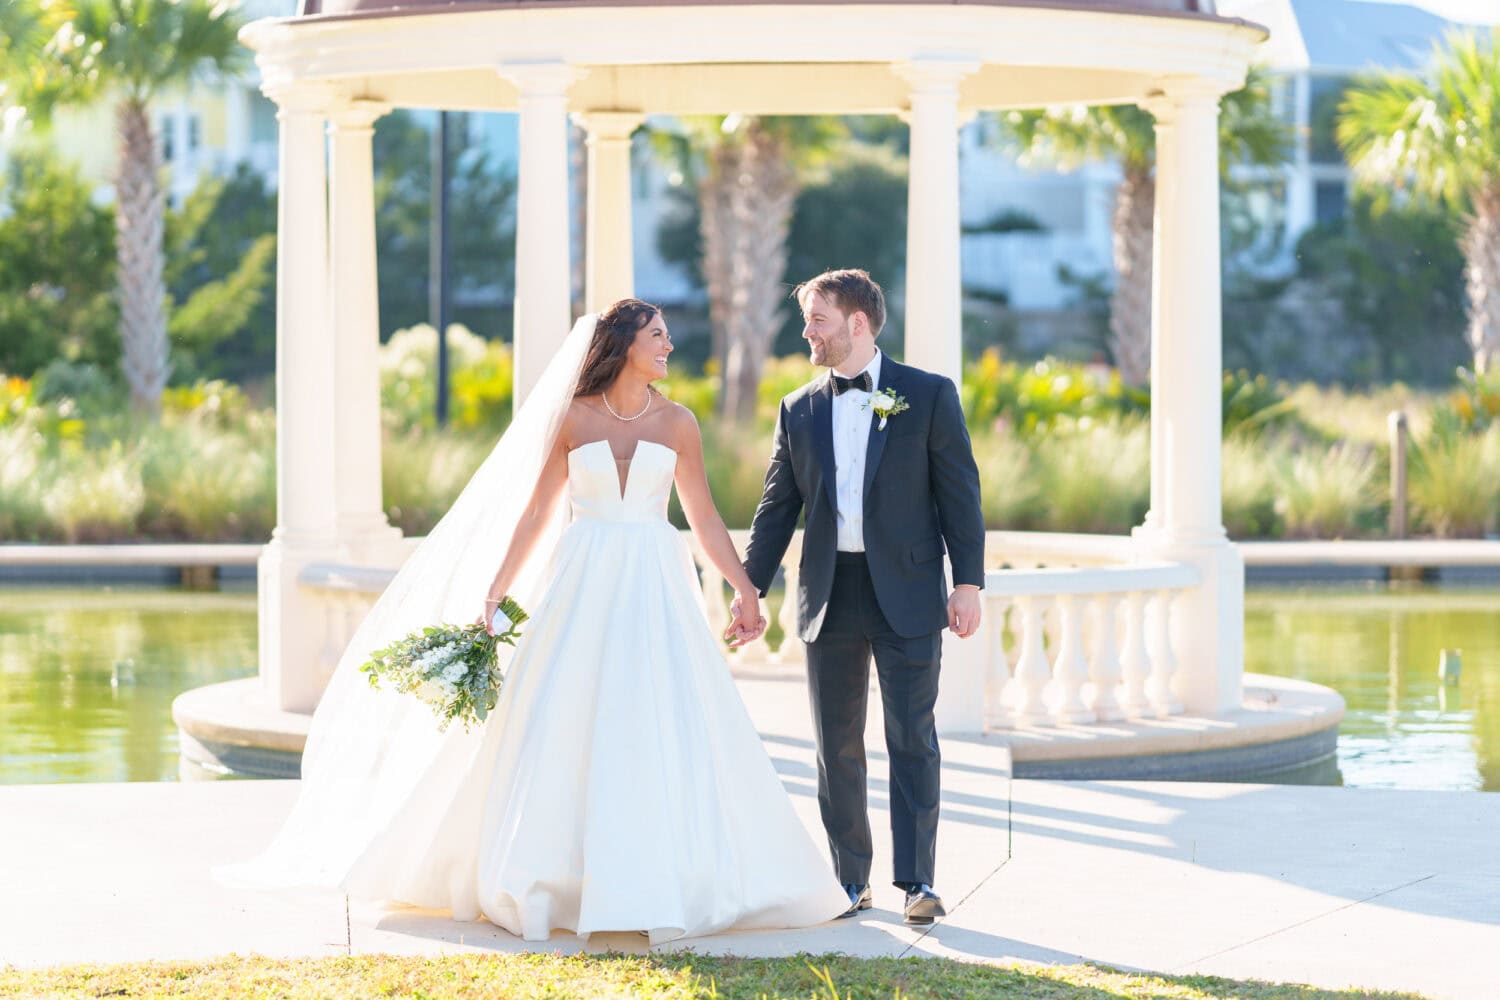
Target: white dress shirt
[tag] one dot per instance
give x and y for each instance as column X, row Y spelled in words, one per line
column 851, row 436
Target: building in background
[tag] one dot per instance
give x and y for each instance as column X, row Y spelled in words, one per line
column 1024, row 228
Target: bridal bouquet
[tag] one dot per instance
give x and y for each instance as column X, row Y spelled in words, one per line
column 454, row 669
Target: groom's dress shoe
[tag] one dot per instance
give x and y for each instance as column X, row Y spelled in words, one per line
column 923, row 906
column 860, row 898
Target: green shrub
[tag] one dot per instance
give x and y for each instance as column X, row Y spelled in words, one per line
column 1328, row 493
column 1008, row 489
column 1454, row 483
column 207, row 484
column 422, row 473
column 1249, row 486
column 22, row 517
column 480, row 369
column 1095, row 476
column 1255, row 403
column 94, row 496
column 1033, row 397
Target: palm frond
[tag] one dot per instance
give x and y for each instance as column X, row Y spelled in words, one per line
column 1436, row 133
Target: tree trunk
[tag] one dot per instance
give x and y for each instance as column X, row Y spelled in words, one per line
column 1481, row 248
column 762, row 200
column 1130, row 304
column 139, row 211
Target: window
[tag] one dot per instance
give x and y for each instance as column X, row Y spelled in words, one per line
column 1330, row 199
column 1325, row 94
column 195, row 133
column 165, row 133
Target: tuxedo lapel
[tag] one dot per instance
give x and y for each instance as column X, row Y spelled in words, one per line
column 889, row 379
column 821, row 401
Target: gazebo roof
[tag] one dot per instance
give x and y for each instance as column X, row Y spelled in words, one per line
column 754, row 56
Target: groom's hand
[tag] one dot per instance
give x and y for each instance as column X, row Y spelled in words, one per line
column 963, row 611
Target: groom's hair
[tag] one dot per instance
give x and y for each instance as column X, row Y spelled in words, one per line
column 850, row 290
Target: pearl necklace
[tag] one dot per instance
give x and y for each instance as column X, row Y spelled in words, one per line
column 611, row 409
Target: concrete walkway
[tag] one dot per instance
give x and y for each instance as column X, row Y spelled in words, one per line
column 1329, row 886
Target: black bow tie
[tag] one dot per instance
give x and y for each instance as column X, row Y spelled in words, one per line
column 863, row 381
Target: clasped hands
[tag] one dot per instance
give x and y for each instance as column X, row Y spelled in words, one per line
column 746, row 623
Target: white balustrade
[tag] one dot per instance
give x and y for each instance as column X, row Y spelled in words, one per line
column 1076, row 660
column 1077, row 631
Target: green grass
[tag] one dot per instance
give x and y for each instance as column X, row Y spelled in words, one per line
column 664, row 976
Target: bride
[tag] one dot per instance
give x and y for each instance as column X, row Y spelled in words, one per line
column 619, row 784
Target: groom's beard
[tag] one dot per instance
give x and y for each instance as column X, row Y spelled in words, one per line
column 835, row 349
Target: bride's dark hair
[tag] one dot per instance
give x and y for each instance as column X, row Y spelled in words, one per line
column 613, row 334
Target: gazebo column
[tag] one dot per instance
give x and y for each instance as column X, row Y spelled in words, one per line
column 934, row 314
column 306, row 467
column 1186, row 415
column 360, row 524
column 542, row 309
column 934, row 304
column 609, row 259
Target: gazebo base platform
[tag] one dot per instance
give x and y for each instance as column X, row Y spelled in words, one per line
column 1285, row 732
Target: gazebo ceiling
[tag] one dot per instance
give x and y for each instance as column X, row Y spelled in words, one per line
column 803, row 57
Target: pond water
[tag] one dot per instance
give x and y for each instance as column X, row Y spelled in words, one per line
column 87, row 676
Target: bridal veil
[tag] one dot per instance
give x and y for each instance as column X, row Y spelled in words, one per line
column 373, row 757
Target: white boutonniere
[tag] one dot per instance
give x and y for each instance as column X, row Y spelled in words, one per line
column 886, row 405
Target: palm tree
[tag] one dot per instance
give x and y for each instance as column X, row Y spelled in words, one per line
column 31, row 33
column 133, row 50
column 1249, row 132
column 749, row 170
column 1437, row 136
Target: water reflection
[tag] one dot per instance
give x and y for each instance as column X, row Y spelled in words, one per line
column 1380, row 647
column 87, row 676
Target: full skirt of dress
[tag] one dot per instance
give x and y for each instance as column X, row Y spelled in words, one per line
column 619, row 785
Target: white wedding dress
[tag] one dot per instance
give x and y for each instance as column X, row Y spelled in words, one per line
column 619, row 785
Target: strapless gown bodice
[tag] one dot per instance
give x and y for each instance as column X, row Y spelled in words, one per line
column 594, row 489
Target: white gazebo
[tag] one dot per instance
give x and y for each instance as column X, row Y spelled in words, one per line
column 1104, row 628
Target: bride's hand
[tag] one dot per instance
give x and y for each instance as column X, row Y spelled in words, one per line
column 487, row 616
column 745, row 622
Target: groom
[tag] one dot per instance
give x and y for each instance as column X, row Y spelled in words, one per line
column 877, row 455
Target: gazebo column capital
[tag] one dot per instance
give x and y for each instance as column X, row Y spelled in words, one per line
column 304, row 97
column 1171, row 97
column 356, row 114
column 935, row 74
column 608, row 124
column 541, row 77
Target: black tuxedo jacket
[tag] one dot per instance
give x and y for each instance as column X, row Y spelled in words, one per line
column 921, row 493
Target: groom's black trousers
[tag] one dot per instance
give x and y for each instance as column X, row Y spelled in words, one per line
column 838, row 670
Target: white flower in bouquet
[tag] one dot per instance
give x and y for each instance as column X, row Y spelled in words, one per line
column 451, row 668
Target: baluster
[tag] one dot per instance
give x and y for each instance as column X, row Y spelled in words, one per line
column 1071, row 668
column 1032, row 669
column 997, row 663
column 334, row 639
column 1163, row 662
column 1104, row 667
column 791, row 650
column 355, row 608
column 1135, row 662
